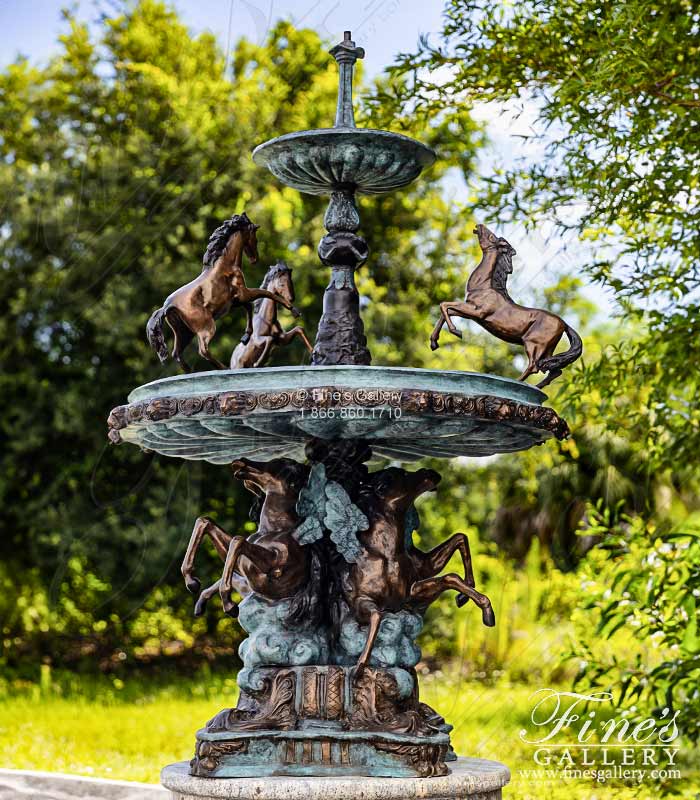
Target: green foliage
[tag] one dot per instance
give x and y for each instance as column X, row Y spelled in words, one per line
column 117, row 159
column 615, row 90
column 642, row 589
column 533, row 603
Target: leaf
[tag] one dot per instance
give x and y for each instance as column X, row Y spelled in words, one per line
column 309, row 531
column 691, row 642
column 344, row 519
column 312, row 498
column 311, row 506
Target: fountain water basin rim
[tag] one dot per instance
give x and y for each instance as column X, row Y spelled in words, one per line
column 270, row 379
column 334, row 159
column 402, row 413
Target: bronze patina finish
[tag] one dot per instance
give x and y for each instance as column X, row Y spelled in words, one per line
column 371, row 574
column 487, row 302
column 391, row 573
column 192, row 310
column 330, row 587
column 288, row 700
column 271, row 563
column 411, row 401
column 267, row 332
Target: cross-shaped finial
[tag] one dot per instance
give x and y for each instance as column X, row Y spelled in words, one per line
column 346, row 52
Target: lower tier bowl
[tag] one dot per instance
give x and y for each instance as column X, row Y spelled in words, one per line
column 404, row 414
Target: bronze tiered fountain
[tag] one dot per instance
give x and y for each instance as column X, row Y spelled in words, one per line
column 333, row 589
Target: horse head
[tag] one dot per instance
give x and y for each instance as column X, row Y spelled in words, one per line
column 488, row 241
column 396, row 489
column 222, row 238
column 282, row 477
column 250, row 238
column 279, row 280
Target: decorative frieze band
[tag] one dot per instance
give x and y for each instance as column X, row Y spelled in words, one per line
column 223, row 404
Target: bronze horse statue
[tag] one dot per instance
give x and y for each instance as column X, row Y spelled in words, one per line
column 392, row 574
column 267, row 332
column 487, row 302
column 204, row 527
column 192, row 310
column 273, row 563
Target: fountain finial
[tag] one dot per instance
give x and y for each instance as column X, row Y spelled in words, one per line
column 346, row 54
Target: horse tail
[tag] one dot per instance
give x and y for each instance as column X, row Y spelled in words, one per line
column 568, row 357
column 305, row 604
column 154, row 334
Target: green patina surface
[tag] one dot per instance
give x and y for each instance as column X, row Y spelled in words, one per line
column 367, row 161
column 269, row 379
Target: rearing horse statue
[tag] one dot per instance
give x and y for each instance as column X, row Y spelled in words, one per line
column 392, row 574
column 271, row 562
column 487, row 302
column 192, row 310
column 267, row 332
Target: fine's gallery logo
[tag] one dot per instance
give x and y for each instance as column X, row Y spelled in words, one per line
column 577, row 735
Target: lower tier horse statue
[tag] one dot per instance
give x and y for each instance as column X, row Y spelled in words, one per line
column 333, row 597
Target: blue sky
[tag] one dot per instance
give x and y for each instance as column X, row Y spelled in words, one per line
column 382, row 27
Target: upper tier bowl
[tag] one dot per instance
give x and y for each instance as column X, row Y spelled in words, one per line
column 333, row 159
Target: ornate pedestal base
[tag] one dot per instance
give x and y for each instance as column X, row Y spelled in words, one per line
column 319, row 752
column 325, row 721
column 469, row 779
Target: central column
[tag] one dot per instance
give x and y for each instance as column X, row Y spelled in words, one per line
column 340, row 338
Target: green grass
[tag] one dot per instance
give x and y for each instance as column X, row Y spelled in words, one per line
column 109, row 729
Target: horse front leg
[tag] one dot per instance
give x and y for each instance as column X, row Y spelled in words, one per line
column 203, row 526
column 204, row 597
column 261, row 558
column 248, row 322
column 256, row 294
column 286, row 337
column 436, row 560
column 460, row 309
column 267, row 346
column 426, row 591
column 435, row 335
column 375, row 620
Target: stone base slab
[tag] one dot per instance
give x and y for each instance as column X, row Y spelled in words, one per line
column 469, row 779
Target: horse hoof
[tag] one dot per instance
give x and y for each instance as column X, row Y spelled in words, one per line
column 193, row 585
column 456, row 333
column 295, row 312
column 200, row 607
column 489, row 617
column 231, row 610
column 461, row 600
column 245, row 338
column 434, row 345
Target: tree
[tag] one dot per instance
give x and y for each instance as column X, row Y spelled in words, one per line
column 117, row 160
column 616, row 92
column 617, row 95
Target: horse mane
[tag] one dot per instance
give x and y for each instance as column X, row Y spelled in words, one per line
column 276, row 269
column 503, row 268
column 219, row 239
